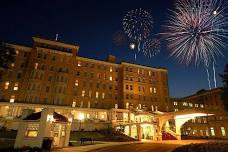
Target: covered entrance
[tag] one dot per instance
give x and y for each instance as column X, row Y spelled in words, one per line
column 147, row 131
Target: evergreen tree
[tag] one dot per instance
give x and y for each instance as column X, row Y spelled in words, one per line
column 224, row 77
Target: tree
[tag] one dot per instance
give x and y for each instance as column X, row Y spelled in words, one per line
column 7, row 56
column 224, row 77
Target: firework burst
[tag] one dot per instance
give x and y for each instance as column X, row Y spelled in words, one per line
column 151, row 47
column 196, row 31
column 137, row 24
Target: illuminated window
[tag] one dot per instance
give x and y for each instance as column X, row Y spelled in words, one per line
column 223, row 131
column 74, row 103
column 103, row 95
column 140, row 106
column 196, row 105
column 32, row 130
column 12, row 98
column 156, row 108
column 97, row 95
column 149, row 73
column 76, row 83
column 15, row 86
column 110, row 69
column 7, row 85
column 138, row 71
column 212, row 131
column 79, row 63
column 36, row 66
column 102, row 116
column 116, row 106
column 12, row 64
column 151, row 90
column 175, row 110
column 83, row 93
column 17, row 52
column 127, row 105
column 201, row 106
column 152, row 108
column 175, row 103
column 193, row 120
column 155, row 90
column 185, row 104
column 110, row 78
column 190, row 104
column 87, row 116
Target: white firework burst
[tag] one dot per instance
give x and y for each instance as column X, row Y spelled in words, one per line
column 151, row 47
column 196, row 31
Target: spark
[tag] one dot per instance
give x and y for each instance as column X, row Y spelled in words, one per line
column 151, row 47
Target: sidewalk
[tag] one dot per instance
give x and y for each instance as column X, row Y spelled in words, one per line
column 92, row 147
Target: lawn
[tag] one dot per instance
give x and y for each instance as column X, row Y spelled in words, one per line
column 204, row 147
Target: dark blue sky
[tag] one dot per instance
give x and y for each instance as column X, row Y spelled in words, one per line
column 91, row 24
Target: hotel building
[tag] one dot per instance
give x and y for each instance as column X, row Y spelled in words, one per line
column 92, row 94
column 51, row 73
column 215, row 126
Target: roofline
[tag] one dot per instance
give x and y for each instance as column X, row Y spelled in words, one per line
column 65, row 44
column 144, row 66
column 96, row 60
column 16, row 46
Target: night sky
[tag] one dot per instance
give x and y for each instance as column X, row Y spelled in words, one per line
column 92, row 24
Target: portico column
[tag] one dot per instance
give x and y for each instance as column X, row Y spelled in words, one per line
column 139, row 132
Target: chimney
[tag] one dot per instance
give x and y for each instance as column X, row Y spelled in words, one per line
column 111, row 58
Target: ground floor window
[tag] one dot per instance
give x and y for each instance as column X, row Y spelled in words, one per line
column 223, row 131
column 32, row 130
column 212, row 131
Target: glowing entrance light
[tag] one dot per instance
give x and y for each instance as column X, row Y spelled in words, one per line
column 192, row 115
column 81, row 116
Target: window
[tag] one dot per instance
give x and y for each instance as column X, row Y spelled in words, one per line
column 97, row 95
column 116, row 106
column 103, row 95
column 15, row 86
column 127, row 105
column 196, row 105
column 110, row 78
column 151, row 90
column 190, row 104
column 212, row 131
column 175, row 110
column 79, row 63
column 74, row 103
column 156, row 108
column 32, row 130
column 175, row 103
column 152, row 108
column 127, row 87
column 6, row 85
column 76, row 83
column 110, row 69
column 131, row 87
column 47, row 89
column 201, row 106
column 223, row 131
column 12, row 98
column 185, row 104
column 36, row 66
column 155, row 90
column 90, row 93
column 83, row 93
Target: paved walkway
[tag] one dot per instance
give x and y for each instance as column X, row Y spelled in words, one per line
column 144, row 146
column 92, row 147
